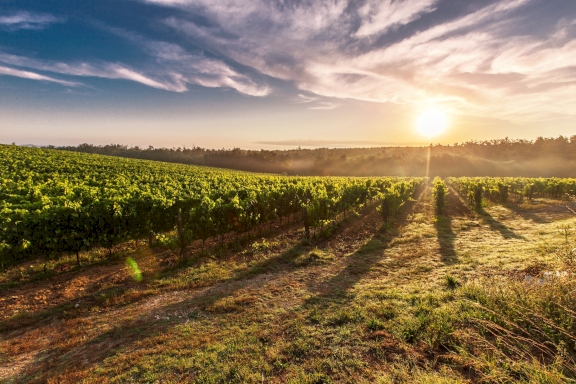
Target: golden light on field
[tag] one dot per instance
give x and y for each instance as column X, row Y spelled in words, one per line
column 432, row 122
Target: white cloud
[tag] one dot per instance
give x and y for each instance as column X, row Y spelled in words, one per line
column 102, row 70
column 180, row 67
column 26, row 20
column 315, row 102
column 472, row 63
column 324, row 105
column 33, row 76
column 184, row 69
column 380, row 16
column 302, row 98
column 115, row 71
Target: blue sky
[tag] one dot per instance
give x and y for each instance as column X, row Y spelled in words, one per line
column 277, row 74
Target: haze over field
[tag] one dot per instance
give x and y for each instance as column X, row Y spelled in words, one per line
column 551, row 157
column 282, row 74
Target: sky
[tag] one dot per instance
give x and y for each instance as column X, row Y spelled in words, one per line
column 277, row 74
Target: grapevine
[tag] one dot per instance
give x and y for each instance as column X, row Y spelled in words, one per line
column 55, row 202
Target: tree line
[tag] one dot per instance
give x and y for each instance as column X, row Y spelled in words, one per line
column 543, row 157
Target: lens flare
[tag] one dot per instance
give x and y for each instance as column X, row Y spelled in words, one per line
column 134, row 269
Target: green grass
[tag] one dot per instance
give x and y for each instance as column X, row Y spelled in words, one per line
column 419, row 302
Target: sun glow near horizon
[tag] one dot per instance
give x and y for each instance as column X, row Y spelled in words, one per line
column 432, row 122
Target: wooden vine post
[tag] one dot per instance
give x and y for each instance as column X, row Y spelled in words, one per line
column 150, row 238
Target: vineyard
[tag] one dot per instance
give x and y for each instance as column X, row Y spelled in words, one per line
column 500, row 190
column 55, row 202
column 267, row 278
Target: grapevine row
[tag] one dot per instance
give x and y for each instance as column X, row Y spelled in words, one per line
column 500, row 189
column 54, row 202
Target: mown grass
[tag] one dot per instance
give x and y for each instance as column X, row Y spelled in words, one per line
column 432, row 300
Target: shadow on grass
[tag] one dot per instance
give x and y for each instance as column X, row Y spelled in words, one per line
column 456, row 204
column 58, row 268
column 67, row 264
column 446, row 237
column 495, row 225
column 97, row 298
column 220, row 298
column 538, row 215
column 130, row 331
column 363, row 260
column 71, row 309
column 455, row 208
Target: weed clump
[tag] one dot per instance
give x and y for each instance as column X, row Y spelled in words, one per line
column 263, row 246
column 316, row 256
column 375, row 324
column 345, row 316
column 451, row 281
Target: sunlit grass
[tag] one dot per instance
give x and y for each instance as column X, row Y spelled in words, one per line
column 394, row 309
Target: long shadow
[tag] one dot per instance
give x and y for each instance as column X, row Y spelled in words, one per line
column 131, row 331
column 362, row 261
column 535, row 215
column 213, row 245
column 93, row 300
column 66, row 310
column 335, row 292
column 446, row 238
column 495, row 225
column 457, row 203
column 528, row 215
column 328, row 305
column 444, row 232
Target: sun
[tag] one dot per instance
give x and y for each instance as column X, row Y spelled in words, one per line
column 432, row 122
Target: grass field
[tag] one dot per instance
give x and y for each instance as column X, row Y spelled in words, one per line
column 463, row 297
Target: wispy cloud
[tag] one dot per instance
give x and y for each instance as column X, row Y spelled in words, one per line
column 472, row 61
column 27, row 20
column 315, row 102
column 324, row 105
column 33, row 76
column 175, row 71
column 102, row 70
column 302, row 98
column 379, row 16
column 169, row 68
column 198, row 69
